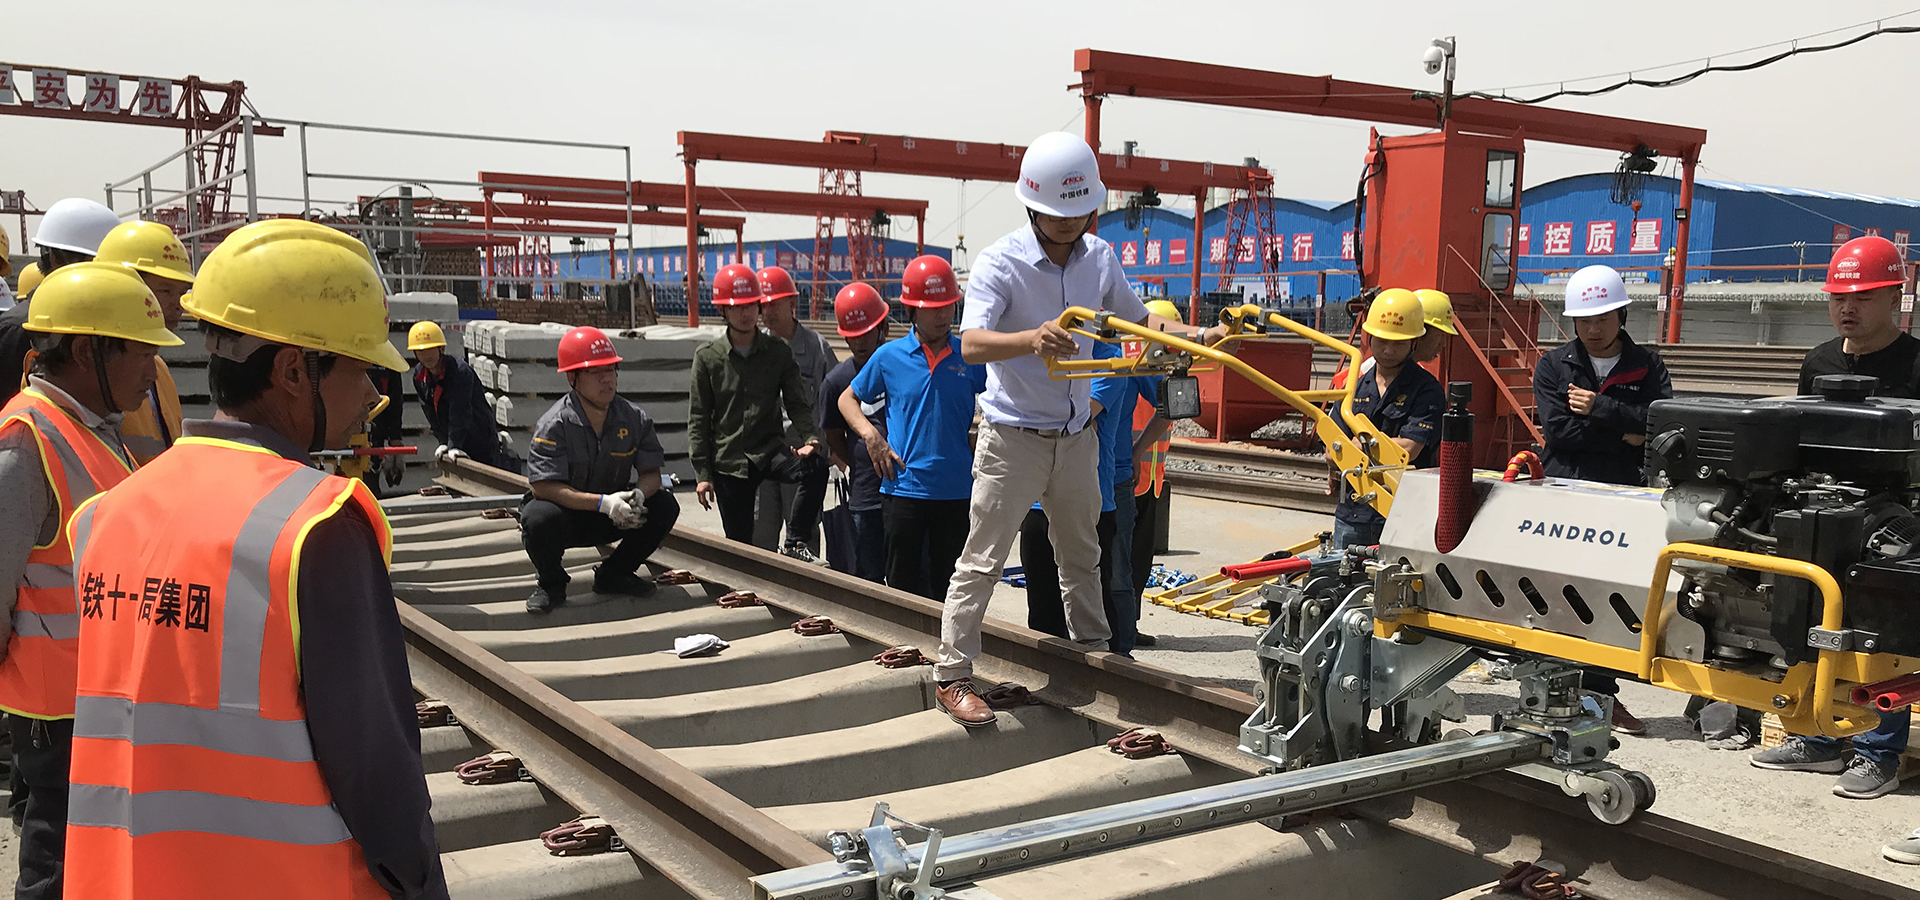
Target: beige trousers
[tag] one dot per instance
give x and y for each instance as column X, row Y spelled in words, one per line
column 1012, row 469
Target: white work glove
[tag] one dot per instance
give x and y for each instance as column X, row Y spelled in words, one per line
column 623, row 509
column 444, row 453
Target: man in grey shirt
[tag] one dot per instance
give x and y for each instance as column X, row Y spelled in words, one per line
column 815, row 359
column 594, row 470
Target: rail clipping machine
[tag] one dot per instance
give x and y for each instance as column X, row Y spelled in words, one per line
column 1774, row 567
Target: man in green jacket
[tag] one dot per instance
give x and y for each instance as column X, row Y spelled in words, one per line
column 734, row 432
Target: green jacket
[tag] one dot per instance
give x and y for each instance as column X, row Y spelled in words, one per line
column 733, row 406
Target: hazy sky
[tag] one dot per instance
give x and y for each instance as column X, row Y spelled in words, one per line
column 635, row 73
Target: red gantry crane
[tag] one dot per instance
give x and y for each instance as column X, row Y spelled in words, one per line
column 1440, row 209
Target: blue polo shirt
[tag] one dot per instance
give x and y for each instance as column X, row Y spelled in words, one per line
column 929, row 411
column 1138, row 387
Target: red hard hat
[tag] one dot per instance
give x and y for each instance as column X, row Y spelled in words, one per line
column 586, row 347
column 736, row 285
column 929, row 282
column 775, row 284
column 1863, row 264
column 858, row 309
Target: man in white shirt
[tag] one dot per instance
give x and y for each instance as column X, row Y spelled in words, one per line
column 1035, row 443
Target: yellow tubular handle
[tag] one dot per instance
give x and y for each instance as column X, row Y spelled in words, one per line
column 1373, row 470
column 1832, row 616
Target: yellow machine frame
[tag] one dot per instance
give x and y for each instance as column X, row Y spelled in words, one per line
column 1810, row 697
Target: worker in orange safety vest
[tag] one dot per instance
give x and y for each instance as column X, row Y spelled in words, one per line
column 243, row 725
column 95, row 330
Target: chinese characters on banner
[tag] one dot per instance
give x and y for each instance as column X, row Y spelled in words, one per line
column 1216, row 250
column 1646, row 236
column 1557, row 239
column 1177, row 252
column 1900, row 239
column 153, row 97
column 1841, row 234
column 803, row 263
column 1600, row 238
column 1153, row 253
column 103, row 94
column 6, row 86
column 1303, row 248
column 1248, row 249
column 1873, row 231
column 1346, row 245
column 50, row 89
column 1521, row 240
column 1129, row 253
column 783, row 259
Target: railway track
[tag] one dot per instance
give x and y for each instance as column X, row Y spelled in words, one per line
column 1245, row 474
column 715, row 769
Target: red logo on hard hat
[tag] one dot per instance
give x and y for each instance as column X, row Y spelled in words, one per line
column 1394, row 318
column 1072, row 179
column 1032, row 185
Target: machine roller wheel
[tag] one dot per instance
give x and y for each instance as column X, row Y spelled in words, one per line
column 1627, row 793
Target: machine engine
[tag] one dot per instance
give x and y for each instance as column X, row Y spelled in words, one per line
column 1830, row 479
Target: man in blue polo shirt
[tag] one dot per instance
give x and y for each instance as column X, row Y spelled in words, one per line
column 923, row 456
column 1404, row 400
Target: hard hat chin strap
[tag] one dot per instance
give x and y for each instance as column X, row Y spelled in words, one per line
column 318, row 442
column 100, row 372
column 1033, row 218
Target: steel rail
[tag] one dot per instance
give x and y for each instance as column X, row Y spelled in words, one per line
column 1499, row 817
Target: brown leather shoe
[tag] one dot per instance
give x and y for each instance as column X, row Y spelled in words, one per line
column 962, row 705
column 1625, row 722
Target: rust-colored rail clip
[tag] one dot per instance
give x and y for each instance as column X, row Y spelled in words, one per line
column 435, row 490
column 498, row 767
column 583, row 836
column 676, row 576
column 1140, row 743
column 902, row 657
column 1008, row 696
column 738, row 599
column 1535, row 882
column 814, row 626
column 500, row 512
column 434, row 713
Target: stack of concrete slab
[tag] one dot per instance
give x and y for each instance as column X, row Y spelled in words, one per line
column 518, row 364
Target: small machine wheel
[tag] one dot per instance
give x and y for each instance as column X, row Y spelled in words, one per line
column 1621, row 800
column 1643, row 788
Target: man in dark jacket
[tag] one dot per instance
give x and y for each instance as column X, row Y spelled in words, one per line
column 1592, row 394
column 450, row 395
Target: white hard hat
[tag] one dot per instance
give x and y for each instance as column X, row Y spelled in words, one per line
column 1060, row 176
column 1595, row 290
column 76, row 224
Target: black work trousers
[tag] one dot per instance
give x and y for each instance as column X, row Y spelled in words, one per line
column 924, row 542
column 1146, row 513
column 1046, row 610
column 549, row 530
column 736, row 495
column 42, row 752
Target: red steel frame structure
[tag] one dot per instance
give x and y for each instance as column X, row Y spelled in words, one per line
column 1103, row 73
column 964, row 160
column 668, row 204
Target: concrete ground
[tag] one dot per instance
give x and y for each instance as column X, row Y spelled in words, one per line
column 1715, row 790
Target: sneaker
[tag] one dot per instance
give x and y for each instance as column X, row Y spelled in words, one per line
column 624, row 583
column 1866, row 779
column 962, row 705
column 541, row 601
column 1905, row 850
column 1797, row 755
column 798, row 550
column 1626, row 722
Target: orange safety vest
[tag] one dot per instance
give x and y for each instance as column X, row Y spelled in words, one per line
column 193, row 775
column 151, row 429
column 36, row 678
column 1151, row 473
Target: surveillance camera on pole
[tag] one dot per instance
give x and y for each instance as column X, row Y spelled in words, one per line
column 1440, row 56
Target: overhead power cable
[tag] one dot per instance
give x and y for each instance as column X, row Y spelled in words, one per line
column 1794, row 48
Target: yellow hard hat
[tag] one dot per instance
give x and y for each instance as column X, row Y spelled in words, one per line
column 148, row 247
column 299, row 283
column 1165, row 308
column 1396, row 315
column 29, row 279
column 1438, row 307
column 102, row 299
column 425, row 334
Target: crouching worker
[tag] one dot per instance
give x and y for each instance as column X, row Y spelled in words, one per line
column 587, row 452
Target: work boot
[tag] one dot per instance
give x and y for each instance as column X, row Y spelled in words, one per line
column 543, row 600
column 962, row 705
column 1145, row 640
column 1797, row 755
column 1905, row 850
column 624, row 583
column 1626, row 722
column 1866, row 779
column 798, row 550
